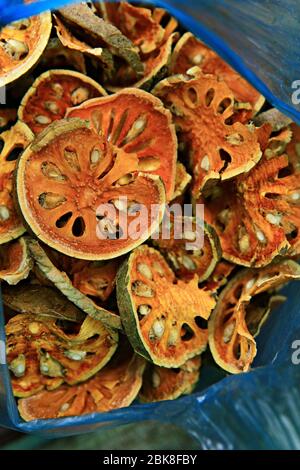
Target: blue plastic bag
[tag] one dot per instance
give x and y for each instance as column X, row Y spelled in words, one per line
column 260, row 409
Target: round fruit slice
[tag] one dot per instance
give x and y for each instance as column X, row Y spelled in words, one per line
column 163, row 317
column 52, row 94
column 191, row 248
column 63, row 283
column 41, row 354
column 202, row 107
column 7, row 116
column 190, row 52
column 12, row 143
column 232, row 345
column 160, row 383
column 137, row 126
column 70, row 182
column 15, row 262
column 115, row 386
column 21, row 45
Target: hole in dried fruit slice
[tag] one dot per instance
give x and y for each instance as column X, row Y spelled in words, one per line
column 65, row 195
column 190, row 248
column 15, row 262
column 52, row 94
column 190, row 52
column 62, row 281
column 137, row 123
column 50, row 356
column 160, row 383
column 13, row 142
column 115, row 386
column 159, row 314
column 21, row 47
column 232, row 345
column 217, row 150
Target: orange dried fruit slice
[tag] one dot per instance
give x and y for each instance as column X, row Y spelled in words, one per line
column 43, row 354
column 12, row 143
column 190, row 52
column 7, row 116
column 160, row 383
column 52, row 94
column 231, row 343
column 219, row 277
column 137, row 125
column 69, row 177
column 97, row 280
column 162, row 316
column 190, row 248
column 115, row 386
column 21, row 45
column 15, row 262
column 202, row 107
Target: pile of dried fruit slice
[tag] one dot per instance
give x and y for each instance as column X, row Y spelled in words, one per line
column 140, row 208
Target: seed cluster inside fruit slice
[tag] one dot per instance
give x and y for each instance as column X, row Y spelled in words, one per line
column 41, row 354
column 21, row 46
column 15, row 262
column 115, row 386
column 231, row 343
column 203, row 108
column 52, row 94
column 162, row 316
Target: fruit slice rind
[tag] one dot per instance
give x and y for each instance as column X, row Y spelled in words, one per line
column 17, row 252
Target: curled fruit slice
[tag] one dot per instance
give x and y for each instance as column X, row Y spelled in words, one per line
column 69, row 184
column 182, row 180
column 190, row 52
column 41, row 354
column 15, row 262
column 191, row 248
column 7, row 116
column 52, row 93
column 202, row 107
column 12, row 143
column 160, row 383
column 162, row 317
column 259, row 309
column 63, row 283
column 232, row 345
column 21, row 45
column 275, row 118
column 115, row 386
column 137, row 126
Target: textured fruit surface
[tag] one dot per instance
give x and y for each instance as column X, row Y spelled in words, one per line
column 41, row 353
column 12, row 143
column 163, row 317
column 67, row 179
column 160, row 383
column 137, row 126
column 115, row 386
column 231, row 343
column 15, row 262
column 52, row 94
column 21, row 46
column 202, row 108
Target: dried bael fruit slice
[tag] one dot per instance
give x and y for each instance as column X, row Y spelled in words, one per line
column 7, row 116
column 12, row 143
column 202, row 107
column 42, row 354
column 160, row 383
column 42, row 301
column 163, row 317
column 52, row 94
column 190, row 248
column 231, row 343
column 182, row 181
column 97, row 280
column 190, row 52
column 68, row 182
column 63, row 283
column 115, row 386
column 15, row 262
column 137, row 126
column 21, row 45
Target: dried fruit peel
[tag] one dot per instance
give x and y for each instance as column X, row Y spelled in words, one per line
column 79, row 181
column 167, row 334
column 115, row 386
column 15, row 262
column 231, row 344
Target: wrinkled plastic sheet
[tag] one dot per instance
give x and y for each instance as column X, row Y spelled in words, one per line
column 260, row 409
